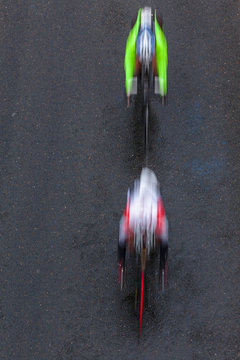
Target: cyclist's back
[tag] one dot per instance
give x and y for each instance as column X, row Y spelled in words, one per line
column 144, row 212
column 143, row 204
column 142, row 46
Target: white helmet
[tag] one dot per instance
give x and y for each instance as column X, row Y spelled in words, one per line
column 146, row 18
column 148, row 185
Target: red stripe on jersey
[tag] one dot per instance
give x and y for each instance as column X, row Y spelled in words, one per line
column 126, row 215
column 160, row 216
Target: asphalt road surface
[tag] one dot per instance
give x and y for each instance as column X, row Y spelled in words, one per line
column 69, row 151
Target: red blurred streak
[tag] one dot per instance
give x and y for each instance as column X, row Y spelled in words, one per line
column 141, row 304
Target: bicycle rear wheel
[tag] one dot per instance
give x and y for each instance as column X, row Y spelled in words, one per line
column 139, row 299
column 146, row 126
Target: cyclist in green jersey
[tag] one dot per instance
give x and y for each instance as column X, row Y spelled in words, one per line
column 146, row 43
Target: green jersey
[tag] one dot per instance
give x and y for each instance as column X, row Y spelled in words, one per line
column 160, row 53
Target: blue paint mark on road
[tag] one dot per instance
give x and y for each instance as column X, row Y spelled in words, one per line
column 195, row 118
column 212, row 167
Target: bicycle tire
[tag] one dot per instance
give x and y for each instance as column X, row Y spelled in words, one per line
column 139, row 299
column 146, row 127
column 137, row 294
column 145, row 84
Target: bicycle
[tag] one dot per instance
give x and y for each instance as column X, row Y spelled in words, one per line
column 143, row 248
column 146, row 81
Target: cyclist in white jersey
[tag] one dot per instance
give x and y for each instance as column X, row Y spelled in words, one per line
column 144, row 211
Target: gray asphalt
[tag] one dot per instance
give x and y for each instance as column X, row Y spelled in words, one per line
column 69, row 151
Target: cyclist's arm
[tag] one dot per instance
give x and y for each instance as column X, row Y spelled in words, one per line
column 161, row 56
column 130, row 54
column 162, row 223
